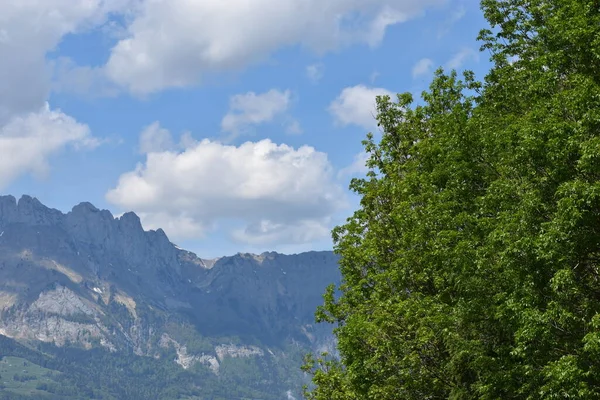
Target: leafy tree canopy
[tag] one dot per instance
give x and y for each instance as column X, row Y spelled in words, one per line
column 471, row 269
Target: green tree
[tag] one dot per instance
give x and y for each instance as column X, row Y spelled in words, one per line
column 471, row 269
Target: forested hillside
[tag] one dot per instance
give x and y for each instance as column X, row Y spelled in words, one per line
column 68, row 373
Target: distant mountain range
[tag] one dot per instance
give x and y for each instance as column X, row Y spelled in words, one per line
column 86, row 287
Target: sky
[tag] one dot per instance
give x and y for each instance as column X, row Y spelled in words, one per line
column 235, row 126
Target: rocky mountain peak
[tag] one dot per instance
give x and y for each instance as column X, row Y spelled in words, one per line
column 95, row 242
column 8, row 200
column 131, row 220
column 28, row 201
column 85, row 222
column 84, row 208
column 28, row 210
column 8, row 208
column 248, row 293
column 86, row 279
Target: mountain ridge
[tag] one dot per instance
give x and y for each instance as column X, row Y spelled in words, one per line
column 28, row 202
column 86, row 279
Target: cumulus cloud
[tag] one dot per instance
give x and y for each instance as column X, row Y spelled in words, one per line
column 30, row 131
column 28, row 141
column 172, row 43
column 422, row 67
column 28, row 30
column 357, row 105
column 461, row 57
column 276, row 194
column 250, row 109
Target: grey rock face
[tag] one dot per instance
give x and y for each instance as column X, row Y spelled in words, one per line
column 60, row 316
column 62, row 301
column 8, row 209
column 88, row 279
column 269, row 295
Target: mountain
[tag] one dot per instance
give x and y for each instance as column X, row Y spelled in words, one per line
column 85, row 286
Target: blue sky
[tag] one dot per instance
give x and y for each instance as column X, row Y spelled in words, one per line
column 234, row 126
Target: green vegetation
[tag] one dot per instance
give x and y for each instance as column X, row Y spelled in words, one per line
column 194, row 342
column 471, row 270
column 70, row 373
column 22, row 377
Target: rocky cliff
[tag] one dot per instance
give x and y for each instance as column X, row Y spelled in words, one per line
column 87, row 279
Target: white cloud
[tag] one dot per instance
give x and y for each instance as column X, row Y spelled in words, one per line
column 181, row 226
column 358, row 166
column 30, row 131
column 29, row 29
column 422, row 67
column 172, row 43
column 315, row 72
column 155, row 139
column 28, row 141
column 357, row 105
column 460, row 58
column 250, row 109
column 275, row 193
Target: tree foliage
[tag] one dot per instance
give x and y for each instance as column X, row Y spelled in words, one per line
column 471, row 269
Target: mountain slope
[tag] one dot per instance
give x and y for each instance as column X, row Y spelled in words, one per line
column 87, row 280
